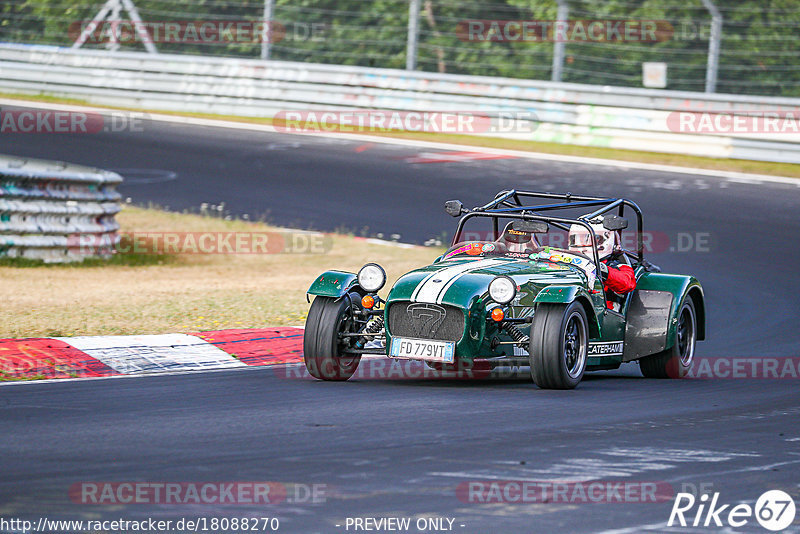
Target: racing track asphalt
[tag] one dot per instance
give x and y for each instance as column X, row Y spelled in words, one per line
column 400, row 447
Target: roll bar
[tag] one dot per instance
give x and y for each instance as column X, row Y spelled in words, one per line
column 511, row 204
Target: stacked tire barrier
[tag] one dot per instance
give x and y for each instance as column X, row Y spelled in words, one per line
column 587, row 115
column 56, row 212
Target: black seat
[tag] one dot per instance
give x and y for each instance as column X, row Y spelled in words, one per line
column 517, row 240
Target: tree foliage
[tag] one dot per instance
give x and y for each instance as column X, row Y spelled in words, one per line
column 758, row 53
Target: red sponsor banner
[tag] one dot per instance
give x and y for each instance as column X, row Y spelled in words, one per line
column 735, row 122
column 563, row 31
column 47, row 358
column 177, row 493
column 549, row 491
column 775, row 368
column 178, row 31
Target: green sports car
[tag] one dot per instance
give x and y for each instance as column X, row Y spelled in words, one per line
column 516, row 292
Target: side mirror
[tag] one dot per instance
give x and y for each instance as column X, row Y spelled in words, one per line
column 454, row 208
column 615, row 223
column 532, row 227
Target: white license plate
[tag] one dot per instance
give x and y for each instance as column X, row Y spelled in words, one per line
column 422, row 349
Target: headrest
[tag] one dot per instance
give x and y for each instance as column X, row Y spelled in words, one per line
column 516, row 236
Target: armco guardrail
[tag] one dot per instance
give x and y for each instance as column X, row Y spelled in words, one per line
column 56, row 212
column 615, row 117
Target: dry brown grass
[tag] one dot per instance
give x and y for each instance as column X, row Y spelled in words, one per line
column 181, row 293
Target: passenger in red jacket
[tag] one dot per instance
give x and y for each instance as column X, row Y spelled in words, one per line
column 618, row 277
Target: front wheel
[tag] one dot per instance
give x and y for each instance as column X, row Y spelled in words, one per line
column 559, row 344
column 676, row 361
column 323, row 347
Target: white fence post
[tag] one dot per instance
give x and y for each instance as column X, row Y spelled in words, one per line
column 266, row 38
column 413, row 35
column 713, row 46
column 559, row 46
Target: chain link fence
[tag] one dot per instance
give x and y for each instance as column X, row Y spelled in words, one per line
column 741, row 47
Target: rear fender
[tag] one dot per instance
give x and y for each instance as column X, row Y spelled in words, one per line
column 653, row 313
column 567, row 295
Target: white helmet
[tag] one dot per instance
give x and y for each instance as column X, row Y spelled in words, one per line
column 580, row 241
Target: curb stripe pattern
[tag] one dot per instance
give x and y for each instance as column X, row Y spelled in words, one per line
column 42, row 358
column 103, row 356
column 152, row 354
column 269, row 346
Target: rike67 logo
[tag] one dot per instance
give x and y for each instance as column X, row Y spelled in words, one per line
column 774, row 510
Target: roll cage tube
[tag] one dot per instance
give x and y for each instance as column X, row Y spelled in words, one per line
column 509, row 204
column 621, row 203
column 556, row 221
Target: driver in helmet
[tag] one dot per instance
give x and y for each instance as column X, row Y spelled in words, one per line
column 618, row 277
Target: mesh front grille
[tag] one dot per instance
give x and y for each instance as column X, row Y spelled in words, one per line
column 426, row 321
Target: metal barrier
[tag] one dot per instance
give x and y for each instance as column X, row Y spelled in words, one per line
column 613, row 117
column 56, row 212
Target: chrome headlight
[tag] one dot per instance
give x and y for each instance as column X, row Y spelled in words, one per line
column 371, row 277
column 502, row 289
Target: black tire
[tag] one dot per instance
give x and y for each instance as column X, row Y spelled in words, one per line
column 322, row 348
column 559, row 345
column 676, row 361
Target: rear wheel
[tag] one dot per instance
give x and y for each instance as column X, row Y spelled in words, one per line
column 323, row 348
column 676, row 361
column 559, row 344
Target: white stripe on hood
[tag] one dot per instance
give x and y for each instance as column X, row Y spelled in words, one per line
column 436, row 284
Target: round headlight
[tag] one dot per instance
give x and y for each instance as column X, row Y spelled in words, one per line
column 502, row 289
column 371, row 277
